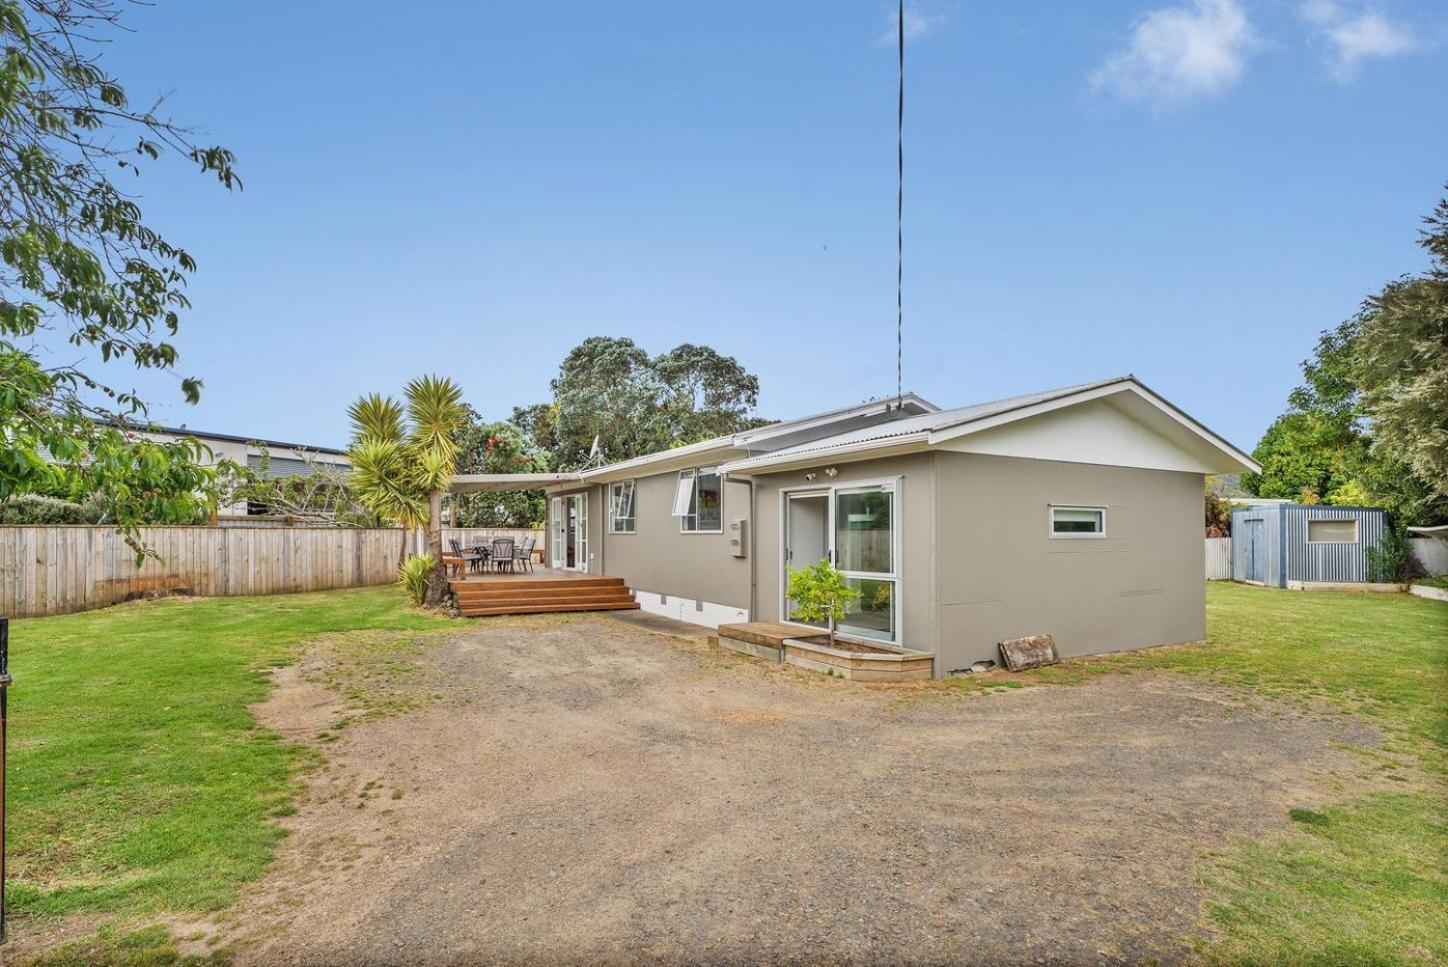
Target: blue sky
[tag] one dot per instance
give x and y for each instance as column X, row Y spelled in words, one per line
column 1091, row 189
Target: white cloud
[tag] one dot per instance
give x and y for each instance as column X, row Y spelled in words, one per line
column 917, row 24
column 1355, row 37
column 1180, row 54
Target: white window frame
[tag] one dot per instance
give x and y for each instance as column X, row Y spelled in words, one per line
column 616, row 490
column 1077, row 535
column 895, row 484
column 685, row 517
column 1356, row 529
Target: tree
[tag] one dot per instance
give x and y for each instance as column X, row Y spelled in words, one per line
column 1401, row 363
column 403, row 460
column 497, row 448
column 610, row 390
column 1369, row 424
column 320, row 496
column 76, row 257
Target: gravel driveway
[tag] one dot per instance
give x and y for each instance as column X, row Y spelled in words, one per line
column 589, row 788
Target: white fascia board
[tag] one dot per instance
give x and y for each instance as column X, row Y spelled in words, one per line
column 472, row 483
column 946, row 434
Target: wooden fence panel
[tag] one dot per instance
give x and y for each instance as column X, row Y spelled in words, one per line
column 59, row 569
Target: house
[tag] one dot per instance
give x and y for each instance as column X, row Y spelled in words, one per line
column 1075, row 512
column 1287, row 545
column 277, row 459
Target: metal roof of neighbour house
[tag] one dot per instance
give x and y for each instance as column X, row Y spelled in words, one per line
column 937, row 427
column 232, row 438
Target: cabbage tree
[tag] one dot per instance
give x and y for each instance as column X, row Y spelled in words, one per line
column 404, row 456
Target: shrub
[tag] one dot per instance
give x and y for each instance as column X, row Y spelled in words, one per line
column 412, row 576
column 820, row 593
column 37, row 509
column 1392, row 560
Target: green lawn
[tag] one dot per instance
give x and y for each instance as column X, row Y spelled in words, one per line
column 141, row 785
column 139, row 781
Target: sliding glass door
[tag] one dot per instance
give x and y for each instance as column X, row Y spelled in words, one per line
column 865, row 551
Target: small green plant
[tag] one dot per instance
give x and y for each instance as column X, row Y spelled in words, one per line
column 1392, row 560
column 819, row 592
column 413, row 577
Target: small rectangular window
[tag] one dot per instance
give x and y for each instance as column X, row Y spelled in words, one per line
column 1078, row 521
column 621, row 507
column 699, row 501
column 1341, row 530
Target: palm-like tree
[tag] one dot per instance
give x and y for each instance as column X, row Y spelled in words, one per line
column 403, row 458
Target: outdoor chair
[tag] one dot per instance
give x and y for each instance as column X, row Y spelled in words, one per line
column 473, row 558
column 524, row 554
column 503, row 552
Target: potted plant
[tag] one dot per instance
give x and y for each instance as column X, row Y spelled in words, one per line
column 819, row 592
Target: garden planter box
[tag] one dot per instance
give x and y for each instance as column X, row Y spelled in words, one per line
column 875, row 665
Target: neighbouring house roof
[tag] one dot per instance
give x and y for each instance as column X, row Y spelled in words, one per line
column 232, row 438
column 939, row 427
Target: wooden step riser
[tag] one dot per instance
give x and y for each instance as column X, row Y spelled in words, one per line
column 466, row 603
column 548, row 609
column 524, row 584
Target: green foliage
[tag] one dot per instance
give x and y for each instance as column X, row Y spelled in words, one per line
column 36, row 509
column 498, row 448
column 401, row 455
column 1392, row 559
column 412, row 576
column 611, row 389
column 1218, row 516
column 819, row 593
column 77, row 260
column 1369, row 424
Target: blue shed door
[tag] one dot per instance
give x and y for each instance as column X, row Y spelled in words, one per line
column 1256, row 551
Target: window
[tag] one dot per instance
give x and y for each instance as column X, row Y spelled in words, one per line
column 1341, row 530
column 621, row 507
column 1078, row 521
column 699, row 501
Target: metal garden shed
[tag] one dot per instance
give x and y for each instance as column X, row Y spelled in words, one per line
column 1287, row 545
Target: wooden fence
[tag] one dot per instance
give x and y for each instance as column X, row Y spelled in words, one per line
column 58, row 569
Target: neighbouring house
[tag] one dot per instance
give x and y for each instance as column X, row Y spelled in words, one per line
column 273, row 457
column 1285, row 545
column 1075, row 512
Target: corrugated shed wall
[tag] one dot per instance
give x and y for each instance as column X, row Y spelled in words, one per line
column 1331, row 561
column 1270, row 545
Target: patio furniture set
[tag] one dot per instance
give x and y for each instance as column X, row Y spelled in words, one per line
column 502, row 554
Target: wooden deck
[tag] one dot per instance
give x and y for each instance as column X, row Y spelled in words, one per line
column 770, row 634
column 544, row 590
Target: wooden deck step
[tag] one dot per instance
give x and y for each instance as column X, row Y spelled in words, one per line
column 527, row 599
column 472, row 612
column 531, row 584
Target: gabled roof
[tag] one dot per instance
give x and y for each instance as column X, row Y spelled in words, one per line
column 941, row 426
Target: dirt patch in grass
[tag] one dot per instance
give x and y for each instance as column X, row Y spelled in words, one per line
column 586, row 788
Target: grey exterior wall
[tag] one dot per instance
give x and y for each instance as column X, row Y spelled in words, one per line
column 1000, row 574
column 1289, row 556
column 917, row 513
column 658, row 559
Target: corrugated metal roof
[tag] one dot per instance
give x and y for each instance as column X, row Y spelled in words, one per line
column 923, row 424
